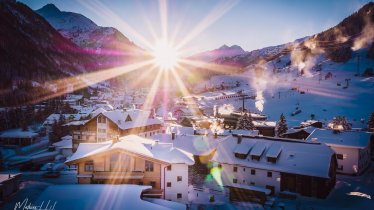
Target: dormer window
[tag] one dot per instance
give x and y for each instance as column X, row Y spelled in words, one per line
column 255, row 157
column 271, row 159
column 128, row 119
column 241, row 156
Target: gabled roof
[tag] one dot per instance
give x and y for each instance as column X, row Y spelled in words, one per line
column 51, row 118
column 139, row 118
column 137, row 145
column 195, row 144
column 298, row 157
column 352, row 139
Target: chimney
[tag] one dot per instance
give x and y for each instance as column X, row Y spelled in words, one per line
column 172, row 135
column 240, row 138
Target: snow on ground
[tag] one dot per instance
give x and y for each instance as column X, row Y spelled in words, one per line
column 325, row 99
column 80, row 197
column 350, row 192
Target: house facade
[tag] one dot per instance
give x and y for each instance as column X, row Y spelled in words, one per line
column 276, row 165
column 352, row 148
column 135, row 160
column 107, row 125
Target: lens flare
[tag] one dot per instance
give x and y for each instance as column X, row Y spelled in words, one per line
column 165, row 55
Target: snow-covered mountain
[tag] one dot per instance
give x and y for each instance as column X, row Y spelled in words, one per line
column 31, row 48
column 223, row 51
column 336, row 43
column 87, row 34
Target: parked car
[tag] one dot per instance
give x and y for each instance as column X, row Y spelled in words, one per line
column 51, row 174
column 30, row 167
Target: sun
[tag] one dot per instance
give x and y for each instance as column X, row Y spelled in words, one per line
column 165, row 55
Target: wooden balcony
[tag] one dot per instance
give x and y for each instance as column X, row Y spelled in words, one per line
column 118, row 175
column 87, row 133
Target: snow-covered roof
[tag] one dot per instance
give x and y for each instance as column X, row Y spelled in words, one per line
column 135, row 144
column 195, row 144
column 308, row 123
column 76, row 123
column 298, row 157
column 97, row 112
column 264, row 123
column 308, row 129
column 131, row 118
column 64, row 143
column 241, row 132
column 74, row 97
column 351, row 139
column 87, row 197
column 17, row 133
column 106, row 107
column 51, row 118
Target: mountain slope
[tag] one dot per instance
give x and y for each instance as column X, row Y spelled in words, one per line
column 30, row 48
column 106, row 42
column 223, row 51
column 337, row 43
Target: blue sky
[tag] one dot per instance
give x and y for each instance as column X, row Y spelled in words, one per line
column 248, row 23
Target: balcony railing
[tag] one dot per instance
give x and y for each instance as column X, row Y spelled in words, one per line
column 118, row 175
column 88, row 133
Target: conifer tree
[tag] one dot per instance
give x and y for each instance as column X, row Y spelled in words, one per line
column 245, row 122
column 282, row 125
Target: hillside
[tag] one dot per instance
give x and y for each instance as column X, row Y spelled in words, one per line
column 337, row 43
column 107, row 43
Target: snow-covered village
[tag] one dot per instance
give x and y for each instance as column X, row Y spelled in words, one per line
column 130, row 105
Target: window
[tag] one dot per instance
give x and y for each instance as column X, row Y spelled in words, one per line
column 252, row 183
column 234, row 181
column 79, row 137
column 101, row 119
column 219, row 166
column 168, row 184
column 179, row 195
column 88, row 166
column 153, row 184
column 339, row 156
column 272, row 160
column 128, row 119
column 101, row 130
column 169, row 168
column 255, row 157
column 179, row 178
column 235, row 169
column 270, row 174
column 253, row 171
column 114, row 162
column 243, row 169
column 148, row 166
column 340, row 168
column 140, row 183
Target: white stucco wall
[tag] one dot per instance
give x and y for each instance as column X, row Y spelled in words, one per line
column 177, row 186
column 245, row 177
column 349, row 161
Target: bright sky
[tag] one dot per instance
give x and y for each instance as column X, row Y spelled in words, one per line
column 248, row 23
